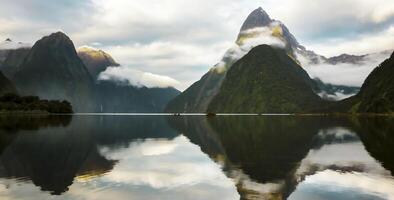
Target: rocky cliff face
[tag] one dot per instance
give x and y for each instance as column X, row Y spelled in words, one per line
column 95, row 60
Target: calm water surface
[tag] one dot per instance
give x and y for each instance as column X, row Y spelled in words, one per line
column 196, row 158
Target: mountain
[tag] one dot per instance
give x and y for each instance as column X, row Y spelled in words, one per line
column 6, row 86
column 11, row 55
column 95, row 60
column 197, row 97
column 257, row 27
column 254, row 25
column 334, row 92
column 53, row 70
column 257, row 18
column 266, row 80
column 377, row 93
column 13, row 61
column 346, row 58
column 114, row 97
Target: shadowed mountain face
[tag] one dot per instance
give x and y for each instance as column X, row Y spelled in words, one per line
column 6, row 86
column 96, row 60
column 53, row 70
column 377, row 92
column 266, row 80
column 13, row 61
column 7, row 46
column 114, row 97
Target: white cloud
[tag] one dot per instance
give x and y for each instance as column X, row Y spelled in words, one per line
column 13, row 45
column 361, row 44
column 345, row 73
column 137, row 78
column 315, row 168
column 181, row 61
column 262, row 35
column 247, row 41
column 156, row 169
column 143, row 171
column 353, row 184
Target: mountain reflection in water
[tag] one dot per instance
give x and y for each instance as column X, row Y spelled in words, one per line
column 194, row 157
column 270, row 156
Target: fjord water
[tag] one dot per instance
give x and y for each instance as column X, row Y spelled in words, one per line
column 195, row 157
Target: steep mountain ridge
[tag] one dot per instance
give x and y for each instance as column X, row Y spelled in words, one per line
column 258, row 24
column 53, row 70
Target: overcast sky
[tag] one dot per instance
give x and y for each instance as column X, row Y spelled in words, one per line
column 182, row 39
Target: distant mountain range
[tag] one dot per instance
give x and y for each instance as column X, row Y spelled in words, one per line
column 54, row 69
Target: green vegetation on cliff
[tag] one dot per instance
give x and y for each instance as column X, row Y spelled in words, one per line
column 266, row 80
column 377, row 92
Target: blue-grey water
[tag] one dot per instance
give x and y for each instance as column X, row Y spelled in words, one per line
column 105, row 157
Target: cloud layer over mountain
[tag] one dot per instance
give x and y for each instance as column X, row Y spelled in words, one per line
column 346, row 73
column 124, row 75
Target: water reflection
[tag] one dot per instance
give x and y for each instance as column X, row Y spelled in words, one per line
column 111, row 157
column 277, row 157
column 194, row 157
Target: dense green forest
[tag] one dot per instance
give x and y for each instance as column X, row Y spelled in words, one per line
column 15, row 103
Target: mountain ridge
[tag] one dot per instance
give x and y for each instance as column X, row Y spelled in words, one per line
column 198, row 96
column 266, row 80
column 53, row 70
